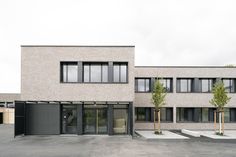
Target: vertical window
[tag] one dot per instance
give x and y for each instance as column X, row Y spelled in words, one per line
column 167, row 84
column 143, row 114
column 120, row 71
column 206, row 85
column 233, row 115
column 184, row 85
column 229, row 85
column 142, row 84
column 69, row 72
column 95, row 72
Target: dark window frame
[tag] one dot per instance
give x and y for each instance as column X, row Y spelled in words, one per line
column 127, row 72
column 232, row 85
column 145, row 83
column 210, row 85
column 171, row 83
column 166, row 117
column 66, row 63
column 91, row 64
column 178, row 83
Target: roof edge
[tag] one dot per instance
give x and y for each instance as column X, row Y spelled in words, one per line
column 184, row 67
column 77, row 45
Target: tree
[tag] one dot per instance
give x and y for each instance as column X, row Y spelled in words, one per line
column 158, row 99
column 219, row 100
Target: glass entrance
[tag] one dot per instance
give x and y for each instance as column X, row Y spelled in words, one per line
column 69, row 119
column 95, row 120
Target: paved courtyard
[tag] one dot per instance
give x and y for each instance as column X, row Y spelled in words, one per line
column 122, row 146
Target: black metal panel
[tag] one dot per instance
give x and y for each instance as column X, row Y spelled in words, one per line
column 110, row 72
column 110, row 120
column 80, row 72
column 152, row 83
column 80, row 119
column 19, row 118
column 196, row 86
column 42, row 119
column 130, row 119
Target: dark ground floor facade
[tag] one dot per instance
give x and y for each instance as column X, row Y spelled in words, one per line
column 53, row 118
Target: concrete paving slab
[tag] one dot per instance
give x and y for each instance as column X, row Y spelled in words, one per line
column 229, row 134
column 166, row 135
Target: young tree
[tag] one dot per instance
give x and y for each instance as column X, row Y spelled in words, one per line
column 158, row 99
column 219, row 100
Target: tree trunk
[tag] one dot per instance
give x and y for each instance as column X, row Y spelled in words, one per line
column 154, row 121
column 220, row 131
column 159, row 122
column 223, row 122
column 215, row 120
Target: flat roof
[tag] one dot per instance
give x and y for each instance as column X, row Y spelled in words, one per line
column 77, row 46
column 185, row 66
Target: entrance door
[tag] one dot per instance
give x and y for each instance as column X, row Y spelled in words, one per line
column 95, row 121
column 69, row 119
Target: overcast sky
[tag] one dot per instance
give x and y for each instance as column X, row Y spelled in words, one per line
column 181, row 32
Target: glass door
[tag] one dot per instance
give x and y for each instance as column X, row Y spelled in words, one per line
column 69, row 119
column 89, row 121
column 95, row 121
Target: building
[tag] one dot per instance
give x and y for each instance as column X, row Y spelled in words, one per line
column 7, row 107
column 99, row 90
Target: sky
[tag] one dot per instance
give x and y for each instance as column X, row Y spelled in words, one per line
column 164, row 32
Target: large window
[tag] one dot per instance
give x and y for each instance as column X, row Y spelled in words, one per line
column 95, row 72
column 203, row 115
column 188, row 115
column 69, row 72
column 167, row 84
column 143, row 114
column 142, row 85
column 230, row 85
column 120, row 72
column 185, row 85
column 206, row 85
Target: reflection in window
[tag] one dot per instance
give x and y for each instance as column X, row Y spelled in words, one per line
column 95, row 72
column 120, row 71
column 167, row 84
column 229, row 85
column 120, row 121
column 143, row 114
column 142, row 85
column 69, row 72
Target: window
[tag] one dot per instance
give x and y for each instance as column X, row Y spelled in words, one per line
column 120, row 72
column 95, row 72
column 233, row 115
column 142, row 114
column 69, row 72
column 185, row 85
column 142, row 85
column 206, row 85
column 230, row 85
column 188, row 115
column 166, row 114
column 167, row 84
column 120, row 119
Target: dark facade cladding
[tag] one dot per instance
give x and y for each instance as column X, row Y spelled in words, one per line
column 52, row 118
